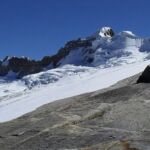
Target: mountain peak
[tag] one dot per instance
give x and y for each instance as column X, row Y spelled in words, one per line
column 106, row 32
column 102, row 49
column 127, row 34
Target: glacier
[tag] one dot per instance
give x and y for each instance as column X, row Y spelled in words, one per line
column 85, row 69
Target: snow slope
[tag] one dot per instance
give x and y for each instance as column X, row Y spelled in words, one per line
column 74, row 82
column 106, row 51
column 85, row 69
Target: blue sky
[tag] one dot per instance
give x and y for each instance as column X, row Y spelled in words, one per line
column 35, row 28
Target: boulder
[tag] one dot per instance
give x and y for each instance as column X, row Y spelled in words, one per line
column 145, row 76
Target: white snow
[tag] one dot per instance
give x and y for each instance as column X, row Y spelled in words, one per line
column 11, row 75
column 123, row 48
column 103, row 31
column 128, row 33
column 6, row 61
column 113, row 59
column 84, row 80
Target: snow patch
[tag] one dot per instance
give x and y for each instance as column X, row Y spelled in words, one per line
column 11, row 75
column 5, row 62
column 103, row 32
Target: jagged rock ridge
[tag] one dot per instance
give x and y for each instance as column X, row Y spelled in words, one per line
column 24, row 66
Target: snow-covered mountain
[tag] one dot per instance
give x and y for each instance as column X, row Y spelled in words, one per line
column 103, row 49
column 110, row 50
column 81, row 66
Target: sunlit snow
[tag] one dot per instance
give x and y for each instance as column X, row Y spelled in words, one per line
column 114, row 59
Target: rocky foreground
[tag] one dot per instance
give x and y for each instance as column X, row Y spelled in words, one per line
column 116, row 118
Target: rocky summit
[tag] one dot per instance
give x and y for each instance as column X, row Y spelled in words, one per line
column 106, row 32
column 115, row 118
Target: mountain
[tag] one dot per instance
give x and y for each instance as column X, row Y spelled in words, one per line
column 113, row 57
column 103, row 49
column 89, row 106
column 115, row 118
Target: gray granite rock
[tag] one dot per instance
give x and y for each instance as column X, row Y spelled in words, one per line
column 116, row 118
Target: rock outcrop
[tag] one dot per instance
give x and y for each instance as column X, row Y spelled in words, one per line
column 106, row 32
column 145, row 76
column 116, row 118
column 24, row 66
column 20, row 66
column 63, row 52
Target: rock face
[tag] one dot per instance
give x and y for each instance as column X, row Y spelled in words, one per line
column 63, row 52
column 116, row 118
column 145, row 76
column 20, row 66
column 24, row 66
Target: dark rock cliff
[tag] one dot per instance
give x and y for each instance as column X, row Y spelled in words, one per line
column 24, row 66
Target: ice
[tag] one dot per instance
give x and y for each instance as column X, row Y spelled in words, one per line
column 70, row 83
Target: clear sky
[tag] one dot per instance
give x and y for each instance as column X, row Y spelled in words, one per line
column 35, row 28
